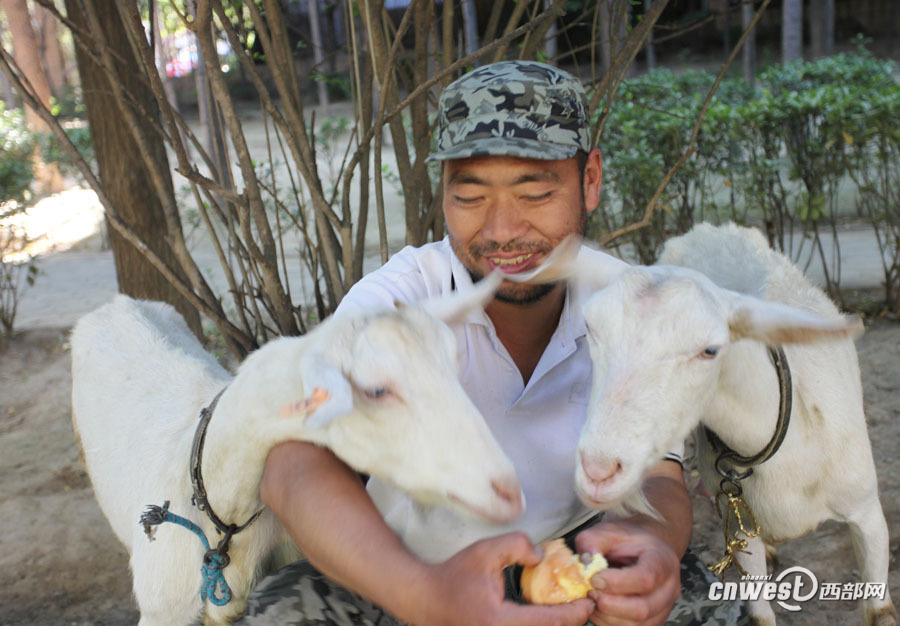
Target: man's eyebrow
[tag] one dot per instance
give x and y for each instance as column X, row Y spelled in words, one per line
column 464, row 178
column 538, row 176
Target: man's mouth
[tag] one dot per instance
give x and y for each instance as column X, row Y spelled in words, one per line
column 512, row 264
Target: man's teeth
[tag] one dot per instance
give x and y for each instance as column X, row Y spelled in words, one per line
column 511, row 261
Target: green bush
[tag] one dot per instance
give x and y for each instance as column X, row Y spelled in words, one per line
column 777, row 155
column 53, row 152
column 646, row 133
column 16, row 147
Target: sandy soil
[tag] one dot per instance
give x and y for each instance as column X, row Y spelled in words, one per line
column 61, row 564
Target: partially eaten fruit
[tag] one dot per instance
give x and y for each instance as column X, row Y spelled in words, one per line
column 561, row 576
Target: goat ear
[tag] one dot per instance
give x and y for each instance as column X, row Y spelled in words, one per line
column 559, row 265
column 329, row 392
column 776, row 323
column 454, row 308
column 599, row 273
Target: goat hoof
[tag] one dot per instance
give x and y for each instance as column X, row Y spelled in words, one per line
column 771, row 555
column 885, row 616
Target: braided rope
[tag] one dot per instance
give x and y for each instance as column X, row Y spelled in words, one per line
column 736, row 510
column 214, row 587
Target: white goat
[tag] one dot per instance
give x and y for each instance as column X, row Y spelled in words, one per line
column 392, row 408
column 674, row 347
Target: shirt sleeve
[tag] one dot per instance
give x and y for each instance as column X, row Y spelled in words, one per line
column 676, row 454
column 400, row 280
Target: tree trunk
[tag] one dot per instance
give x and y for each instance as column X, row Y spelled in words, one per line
column 28, row 57
column 748, row 57
column 161, row 59
column 7, row 93
column 470, row 25
column 447, row 37
column 120, row 162
column 51, row 52
column 613, row 19
column 550, row 47
column 791, row 30
column 651, row 51
column 604, row 38
column 318, row 53
column 726, row 29
column 821, row 28
column 27, row 54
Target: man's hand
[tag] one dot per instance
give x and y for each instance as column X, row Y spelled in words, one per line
column 470, row 589
column 644, row 579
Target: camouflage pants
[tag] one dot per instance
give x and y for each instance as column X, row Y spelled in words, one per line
column 300, row 594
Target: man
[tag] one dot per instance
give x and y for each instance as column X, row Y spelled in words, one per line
column 519, row 176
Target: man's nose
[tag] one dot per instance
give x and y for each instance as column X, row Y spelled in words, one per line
column 504, row 223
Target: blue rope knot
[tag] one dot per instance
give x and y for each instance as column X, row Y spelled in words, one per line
column 213, row 579
column 214, row 587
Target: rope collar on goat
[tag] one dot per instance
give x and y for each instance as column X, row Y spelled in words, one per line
column 737, row 510
column 215, row 587
column 200, row 499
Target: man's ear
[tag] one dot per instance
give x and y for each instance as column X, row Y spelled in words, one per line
column 593, row 179
column 775, row 323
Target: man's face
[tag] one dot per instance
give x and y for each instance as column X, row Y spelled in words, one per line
column 509, row 213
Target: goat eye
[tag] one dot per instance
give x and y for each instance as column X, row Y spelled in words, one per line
column 710, row 352
column 376, row 392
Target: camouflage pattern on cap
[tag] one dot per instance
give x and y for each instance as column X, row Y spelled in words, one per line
column 513, row 108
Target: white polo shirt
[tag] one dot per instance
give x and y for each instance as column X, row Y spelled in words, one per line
column 537, row 424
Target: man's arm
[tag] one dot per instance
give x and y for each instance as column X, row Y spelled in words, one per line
column 646, row 581
column 664, row 488
column 325, row 508
column 327, row 511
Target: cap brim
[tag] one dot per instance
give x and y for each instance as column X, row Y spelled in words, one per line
column 505, row 146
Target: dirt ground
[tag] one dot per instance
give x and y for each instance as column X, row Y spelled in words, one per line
column 61, row 564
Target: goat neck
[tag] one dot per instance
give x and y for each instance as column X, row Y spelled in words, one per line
column 246, row 425
column 744, row 410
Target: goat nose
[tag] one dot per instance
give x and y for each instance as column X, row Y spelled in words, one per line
column 508, row 489
column 600, row 470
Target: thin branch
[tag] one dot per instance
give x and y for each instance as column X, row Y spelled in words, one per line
column 683, row 31
column 692, row 144
column 610, row 82
column 26, row 92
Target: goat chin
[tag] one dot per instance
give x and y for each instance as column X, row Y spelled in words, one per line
column 635, row 503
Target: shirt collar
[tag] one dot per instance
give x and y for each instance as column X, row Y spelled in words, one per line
column 571, row 323
column 463, row 284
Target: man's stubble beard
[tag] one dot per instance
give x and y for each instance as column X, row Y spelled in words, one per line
column 524, row 294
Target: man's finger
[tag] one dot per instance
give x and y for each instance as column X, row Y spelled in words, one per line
column 575, row 613
column 648, row 573
column 652, row 607
column 609, row 541
column 598, row 540
column 515, row 547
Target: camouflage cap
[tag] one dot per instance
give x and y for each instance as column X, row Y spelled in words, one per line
column 513, row 108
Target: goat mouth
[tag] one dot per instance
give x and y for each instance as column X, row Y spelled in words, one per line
column 599, row 495
column 490, row 516
column 595, row 503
